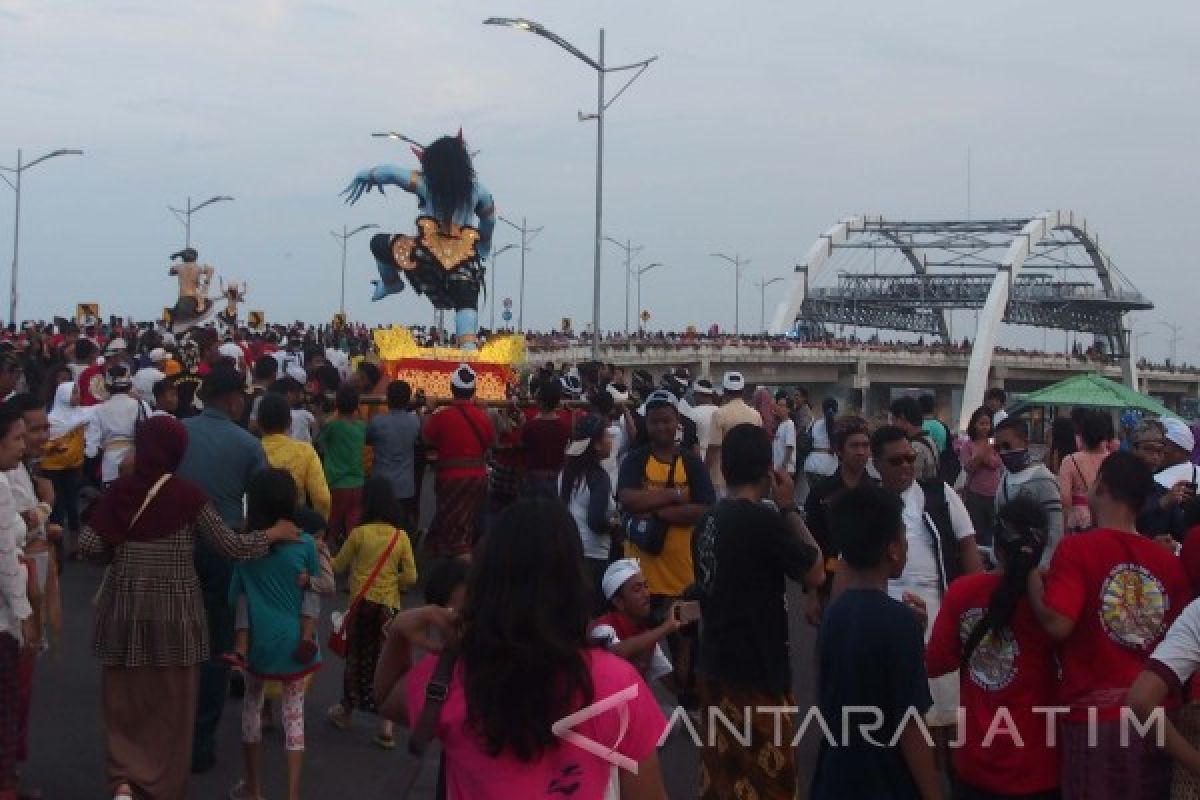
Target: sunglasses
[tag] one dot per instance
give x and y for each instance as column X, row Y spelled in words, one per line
column 896, row 461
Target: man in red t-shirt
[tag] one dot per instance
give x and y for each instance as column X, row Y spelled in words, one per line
column 462, row 435
column 1108, row 598
column 625, row 630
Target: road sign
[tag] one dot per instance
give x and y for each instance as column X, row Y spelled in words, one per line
column 566, row 324
column 508, row 302
column 506, row 316
column 645, row 316
column 256, row 320
column 87, row 313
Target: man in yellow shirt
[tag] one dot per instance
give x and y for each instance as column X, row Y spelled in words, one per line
column 298, row 458
column 666, row 486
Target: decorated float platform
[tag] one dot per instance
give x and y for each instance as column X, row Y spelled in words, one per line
column 430, row 368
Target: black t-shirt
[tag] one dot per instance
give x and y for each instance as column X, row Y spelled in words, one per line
column 873, row 655
column 742, row 552
column 817, row 509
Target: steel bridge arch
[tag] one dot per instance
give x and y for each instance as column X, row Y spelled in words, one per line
column 1035, row 231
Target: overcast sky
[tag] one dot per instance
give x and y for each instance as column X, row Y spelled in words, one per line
column 763, row 124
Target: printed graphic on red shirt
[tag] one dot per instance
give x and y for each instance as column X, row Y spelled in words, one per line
column 994, row 661
column 1133, row 606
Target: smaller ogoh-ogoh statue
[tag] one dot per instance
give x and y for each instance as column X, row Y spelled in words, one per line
column 444, row 259
column 193, row 306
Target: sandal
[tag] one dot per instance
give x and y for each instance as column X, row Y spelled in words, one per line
column 240, row 792
column 338, row 716
column 385, row 741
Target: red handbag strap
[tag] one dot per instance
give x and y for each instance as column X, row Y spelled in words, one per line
column 366, row 587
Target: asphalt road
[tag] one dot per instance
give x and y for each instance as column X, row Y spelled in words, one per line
column 67, row 744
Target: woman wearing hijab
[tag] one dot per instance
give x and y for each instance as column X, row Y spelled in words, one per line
column 62, row 461
column 151, row 634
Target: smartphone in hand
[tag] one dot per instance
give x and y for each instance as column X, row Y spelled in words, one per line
column 687, row 612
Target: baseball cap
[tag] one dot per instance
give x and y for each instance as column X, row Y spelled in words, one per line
column 734, row 382
column 587, row 428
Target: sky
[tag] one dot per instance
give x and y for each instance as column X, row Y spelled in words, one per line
column 763, row 123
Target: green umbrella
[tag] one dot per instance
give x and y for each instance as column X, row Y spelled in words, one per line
column 1093, row 391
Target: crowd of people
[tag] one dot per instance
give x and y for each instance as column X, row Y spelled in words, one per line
column 616, row 530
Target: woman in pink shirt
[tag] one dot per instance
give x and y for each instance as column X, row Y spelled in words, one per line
column 523, row 663
column 1078, row 472
column 982, row 465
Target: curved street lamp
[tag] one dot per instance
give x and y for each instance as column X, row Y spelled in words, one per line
column 344, row 235
column 762, row 305
column 529, row 26
column 16, row 187
column 184, row 215
column 737, row 262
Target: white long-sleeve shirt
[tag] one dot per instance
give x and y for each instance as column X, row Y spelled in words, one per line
column 111, row 430
column 14, row 602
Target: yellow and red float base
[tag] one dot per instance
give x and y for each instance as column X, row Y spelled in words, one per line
column 430, row 368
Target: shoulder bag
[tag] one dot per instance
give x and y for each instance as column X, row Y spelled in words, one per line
column 337, row 642
column 649, row 532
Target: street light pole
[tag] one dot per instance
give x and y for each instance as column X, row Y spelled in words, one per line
column 527, row 236
column 602, row 105
column 738, row 262
column 16, row 187
column 492, row 291
column 640, row 272
column 762, row 307
column 344, row 236
column 630, row 248
column 184, row 215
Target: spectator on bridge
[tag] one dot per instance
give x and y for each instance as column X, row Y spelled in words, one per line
column 1077, row 475
column 1108, row 598
column 745, row 550
column 982, row 466
column 822, row 462
column 994, row 400
column 735, row 412
column 906, row 415
column 1022, row 475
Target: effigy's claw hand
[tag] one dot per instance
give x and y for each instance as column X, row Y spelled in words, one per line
column 363, row 182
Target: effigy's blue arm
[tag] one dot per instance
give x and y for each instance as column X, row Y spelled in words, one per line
column 485, row 209
column 376, row 178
